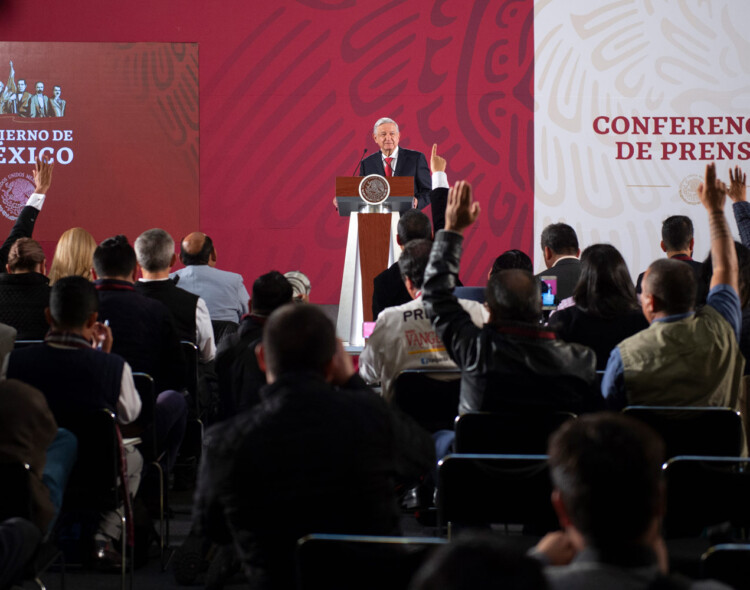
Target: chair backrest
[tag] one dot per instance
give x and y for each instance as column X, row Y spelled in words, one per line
column 15, row 491
column 480, row 490
column 25, row 343
column 703, row 431
column 341, row 562
column 471, row 293
column 706, row 492
column 432, row 402
column 144, row 383
column 507, row 432
column 728, row 563
column 223, row 328
column 191, row 356
column 93, row 482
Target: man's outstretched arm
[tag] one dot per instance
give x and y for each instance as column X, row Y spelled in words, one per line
column 24, row 226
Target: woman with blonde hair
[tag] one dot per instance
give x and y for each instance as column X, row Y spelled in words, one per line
column 73, row 255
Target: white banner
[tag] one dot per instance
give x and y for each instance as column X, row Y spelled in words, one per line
column 633, row 98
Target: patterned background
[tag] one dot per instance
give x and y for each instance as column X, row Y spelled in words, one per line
column 288, row 94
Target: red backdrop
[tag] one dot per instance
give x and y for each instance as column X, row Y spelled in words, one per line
column 288, row 95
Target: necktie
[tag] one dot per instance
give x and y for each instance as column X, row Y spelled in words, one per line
column 388, row 171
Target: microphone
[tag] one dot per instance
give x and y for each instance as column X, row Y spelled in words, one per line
column 358, row 163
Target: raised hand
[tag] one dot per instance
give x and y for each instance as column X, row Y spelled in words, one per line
column 437, row 163
column 712, row 191
column 43, row 174
column 462, row 210
column 737, row 185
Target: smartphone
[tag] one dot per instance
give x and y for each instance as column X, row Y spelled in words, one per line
column 548, row 297
column 367, row 328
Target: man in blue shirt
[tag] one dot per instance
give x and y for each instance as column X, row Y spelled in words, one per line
column 685, row 358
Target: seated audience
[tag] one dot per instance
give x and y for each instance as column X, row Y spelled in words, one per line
column 154, row 250
column 685, row 358
column 77, row 378
column 606, row 310
column 479, row 561
column 403, row 337
column 300, row 284
column 608, row 492
column 677, row 243
column 24, row 291
column 24, row 226
column 240, row 376
column 560, row 250
column 320, row 453
column 512, row 362
column 145, row 336
column 74, row 255
column 223, row 291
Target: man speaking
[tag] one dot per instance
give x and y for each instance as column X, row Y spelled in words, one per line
column 395, row 161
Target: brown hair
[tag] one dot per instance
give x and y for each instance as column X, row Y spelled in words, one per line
column 25, row 254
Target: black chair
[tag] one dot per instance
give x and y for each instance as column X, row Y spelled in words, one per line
column 25, row 343
column 223, row 328
column 341, row 562
column 433, row 403
column 190, row 351
column 144, row 383
column 728, row 563
column 524, row 433
column 699, row 431
column 482, row 490
column 94, row 483
column 15, row 501
column 707, row 496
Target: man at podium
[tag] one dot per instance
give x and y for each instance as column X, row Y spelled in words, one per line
column 392, row 160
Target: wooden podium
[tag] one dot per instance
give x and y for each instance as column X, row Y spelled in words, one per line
column 371, row 247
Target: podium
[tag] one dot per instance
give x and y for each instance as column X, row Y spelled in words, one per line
column 371, row 247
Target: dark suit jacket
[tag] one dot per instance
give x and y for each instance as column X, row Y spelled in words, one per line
column 566, row 272
column 23, row 228
column 409, row 163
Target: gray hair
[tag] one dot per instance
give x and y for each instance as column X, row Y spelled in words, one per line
column 383, row 121
column 154, row 249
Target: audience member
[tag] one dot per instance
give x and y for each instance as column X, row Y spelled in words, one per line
column 145, row 336
column 300, row 284
column 223, row 291
column 677, row 242
column 388, row 288
column 76, row 378
column 511, row 259
column 24, row 291
column 403, row 337
column 512, row 362
column 479, row 561
column 24, row 226
column 74, row 255
column 240, row 376
column 560, row 250
column 320, row 453
column 685, row 358
column 606, row 310
column 154, row 250
column 609, row 496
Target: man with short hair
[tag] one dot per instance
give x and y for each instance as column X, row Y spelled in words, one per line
column 75, row 377
column 392, row 160
column 145, row 336
column 224, row 292
column 560, row 250
column 57, row 103
column 608, row 493
column 388, row 288
column 403, row 337
column 240, row 377
column 685, row 358
column 511, row 363
column 677, row 242
column 154, row 250
column 39, row 103
column 321, row 453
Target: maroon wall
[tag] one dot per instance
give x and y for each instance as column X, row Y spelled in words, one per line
column 289, row 92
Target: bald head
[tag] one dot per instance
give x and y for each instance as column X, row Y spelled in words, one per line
column 514, row 295
column 671, row 283
column 196, row 249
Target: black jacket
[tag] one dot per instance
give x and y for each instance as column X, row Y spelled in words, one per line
column 23, row 298
column 308, row 458
column 509, row 366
